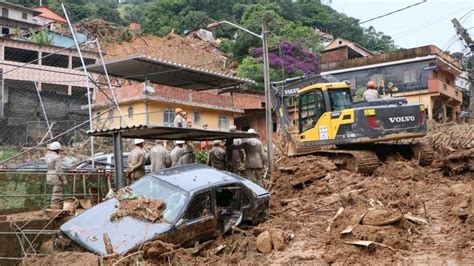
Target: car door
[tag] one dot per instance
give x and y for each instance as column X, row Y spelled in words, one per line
column 199, row 221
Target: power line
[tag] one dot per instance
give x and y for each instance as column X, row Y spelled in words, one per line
column 395, row 11
column 430, row 23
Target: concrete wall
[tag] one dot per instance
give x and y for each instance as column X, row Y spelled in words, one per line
column 24, row 122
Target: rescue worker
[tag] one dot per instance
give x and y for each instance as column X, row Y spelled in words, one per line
column 216, row 156
column 54, row 175
column 204, row 144
column 160, row 157
column 237, row 152
column 177, row 152
column 136, row 160
column 255, row 158
column 371, row 93
column 188, row 156
column 179, row 119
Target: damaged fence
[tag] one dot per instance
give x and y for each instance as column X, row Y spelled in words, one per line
column 28, row 191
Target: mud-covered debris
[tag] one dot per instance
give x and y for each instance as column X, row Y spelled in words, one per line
column 417, row 220
column 108, row 244
column 140, row 208
column 63, row 258
column 278, row 239
column 459, row 161
column 381, row 217
column 157, row 248
column 264, row 242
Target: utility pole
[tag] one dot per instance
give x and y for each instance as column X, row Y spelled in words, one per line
column 467, row 39
column 463, row 32
column 268, row 100
column 266, row 75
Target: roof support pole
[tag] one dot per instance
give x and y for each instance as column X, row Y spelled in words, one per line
column 118, row 160
column 229, row 146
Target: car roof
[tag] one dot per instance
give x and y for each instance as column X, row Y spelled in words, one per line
column 194, row 176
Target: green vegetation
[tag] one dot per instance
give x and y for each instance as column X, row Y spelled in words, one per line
column 7, row 152
column 290, row 22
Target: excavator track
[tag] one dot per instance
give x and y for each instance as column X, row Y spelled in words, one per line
column 359, row 161
column 366, row 158
column 423, row 154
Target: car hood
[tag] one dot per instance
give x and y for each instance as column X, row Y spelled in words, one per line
column 88, row 229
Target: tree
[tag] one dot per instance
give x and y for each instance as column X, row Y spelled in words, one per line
column 162, row 17
column 377, row 41
column 194, row 20
column 286, row 60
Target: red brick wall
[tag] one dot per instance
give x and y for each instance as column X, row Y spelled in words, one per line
column 334, row 55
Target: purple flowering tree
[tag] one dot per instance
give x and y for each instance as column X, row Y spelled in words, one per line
column 291, row 57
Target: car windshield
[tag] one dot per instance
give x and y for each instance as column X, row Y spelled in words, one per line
column 175, row 198
column 340, row 99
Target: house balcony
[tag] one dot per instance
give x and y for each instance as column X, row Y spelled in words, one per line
column 437, row 86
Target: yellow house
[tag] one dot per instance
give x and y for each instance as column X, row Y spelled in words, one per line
column 158, row 108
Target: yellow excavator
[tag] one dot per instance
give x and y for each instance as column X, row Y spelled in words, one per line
column 322, row 118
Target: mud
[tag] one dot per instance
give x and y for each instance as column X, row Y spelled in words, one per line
column 140, row 208
column 64, row 258
column 438, row 203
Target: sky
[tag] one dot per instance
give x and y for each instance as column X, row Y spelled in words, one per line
column 424, row 24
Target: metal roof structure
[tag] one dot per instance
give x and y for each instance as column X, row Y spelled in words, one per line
column 170, row 133
column 143, row 68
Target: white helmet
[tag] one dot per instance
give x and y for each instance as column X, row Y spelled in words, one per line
column 232, row 128
column 252, row 131
column 54, row 146
column 138, row 141
column 180, row 142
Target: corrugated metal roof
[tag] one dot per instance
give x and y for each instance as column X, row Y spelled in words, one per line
column 170, row 133
column 141, row 68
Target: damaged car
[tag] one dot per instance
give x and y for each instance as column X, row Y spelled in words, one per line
column 200, row 204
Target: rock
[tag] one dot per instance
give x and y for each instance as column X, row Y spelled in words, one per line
column 264, row 242
column 278, row 240
column 47, row 247
column 381, row 217
column 461, row 189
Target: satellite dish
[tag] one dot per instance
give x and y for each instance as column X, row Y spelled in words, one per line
column 148, row 89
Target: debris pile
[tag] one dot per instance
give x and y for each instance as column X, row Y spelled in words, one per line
column 451, row 137
column 138, row 207
column 188, row 50
column 105, row 31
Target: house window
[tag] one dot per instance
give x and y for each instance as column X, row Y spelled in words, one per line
column 409, row 76
column 5, row 31
column 24, row 15
column 130, row 112
column 223, row 123
column 5, row 12
column 435, row 74
column 196, row 118
column 99, row 119
column 168, row 118
column 21, row 55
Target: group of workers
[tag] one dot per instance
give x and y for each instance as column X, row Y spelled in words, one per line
column 248, row 153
